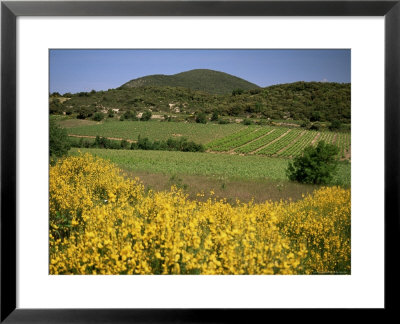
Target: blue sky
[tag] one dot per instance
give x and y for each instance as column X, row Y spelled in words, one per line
column 85, row 70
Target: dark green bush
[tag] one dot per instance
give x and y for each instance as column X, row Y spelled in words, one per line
column 316, row 165
column 146, row 115
column 143, row 143
column 305, row 124
column 125, row 145
column 85, row 112
column 262, row 122
column 56, row 107
column 214, row 116
column 59, row 143
column 335, row 125
column 315, row 126
column 98, row 116
column 130, row 115
column 223, row 121
column 237, row 92
column 247, row 121
column 201, row 118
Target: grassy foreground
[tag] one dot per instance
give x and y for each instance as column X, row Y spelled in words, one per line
column 103, row 223
column 233, row 167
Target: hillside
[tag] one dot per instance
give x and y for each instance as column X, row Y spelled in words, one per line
column 210, row 81
column 307, row 101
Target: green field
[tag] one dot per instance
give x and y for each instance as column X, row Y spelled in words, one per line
column 233, row 138
column 242, row 162
column 235, row 167
column 154, row 130
column 230, row 177
column 279, row 141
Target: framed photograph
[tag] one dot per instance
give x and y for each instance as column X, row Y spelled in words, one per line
column 197, row 161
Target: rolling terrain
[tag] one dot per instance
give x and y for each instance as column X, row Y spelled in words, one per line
column 249, row 133
column 210, row 81
column 184, row 95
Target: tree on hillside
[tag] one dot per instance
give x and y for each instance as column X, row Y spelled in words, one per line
column 237, row 92
column 201, row 118
column 215, row 116
column 98, row 116
column 335, row 125
column 55, row 107
column 146, row 115
column 316, row 116
column 316, row 165
column 59, row 143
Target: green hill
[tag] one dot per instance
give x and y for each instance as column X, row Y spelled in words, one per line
column 312, row 101
column 210, row 81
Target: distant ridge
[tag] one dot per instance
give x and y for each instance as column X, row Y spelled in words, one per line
column 210, row 81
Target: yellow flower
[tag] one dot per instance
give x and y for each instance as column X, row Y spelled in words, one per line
column 308, row 236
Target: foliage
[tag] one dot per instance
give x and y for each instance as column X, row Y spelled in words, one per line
column 103, row 223
column 181, row 144
column 315, row 101
column 316, row 165
column 125, row 145
column 55, row 106
column 315, row 126
column 305, row 124
column 129, row 115
column 85, row 112
column 210, row 81
column 143, row 143
column 102, row 142
column 237, row 92
column 335, row 125
column 201, row 118
column 214, row 116
column 98, row 116
column 146, row 115
column 59, row 144
column 223, row 121
column 247, row 121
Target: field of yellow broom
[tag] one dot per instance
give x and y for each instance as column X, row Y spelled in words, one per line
column 103, row 223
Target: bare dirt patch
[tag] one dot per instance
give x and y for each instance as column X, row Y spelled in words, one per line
column 229, row 189
column 63, row 99
column 315, row 138
column 334, row 138
column 287, row 124
column 347, row 154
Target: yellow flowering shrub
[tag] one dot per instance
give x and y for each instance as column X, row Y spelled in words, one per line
column 103, row 223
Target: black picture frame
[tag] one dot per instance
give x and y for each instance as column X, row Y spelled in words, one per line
column 10, row 10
